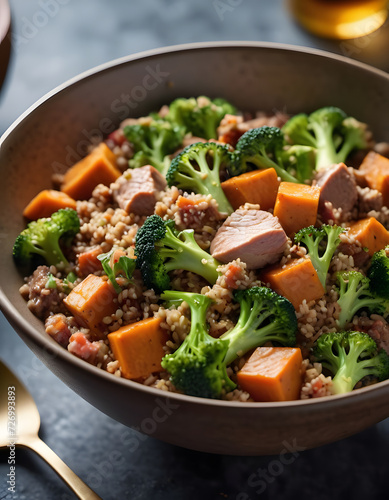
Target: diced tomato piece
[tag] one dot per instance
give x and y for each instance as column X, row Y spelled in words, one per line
column 81, row 347
column 232, row 275
column 117, row 136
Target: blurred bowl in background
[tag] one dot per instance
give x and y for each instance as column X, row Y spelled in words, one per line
column 52, row 135
column 5, row 38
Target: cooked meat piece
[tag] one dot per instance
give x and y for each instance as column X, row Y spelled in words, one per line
column 368, row 199
column 191, row 139
column 277, row 119
column 137, row 189
column 41, row 300
column 58, row 327
column 232, row 127
column 188, row 141
column 382, row 148
column 338, row 186
column 377, row 327
column 254, row 236
column 80, row 345
column 360, row 255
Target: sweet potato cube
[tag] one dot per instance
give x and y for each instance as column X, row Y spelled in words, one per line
column 90, row 301
column 45, row 203
column 96, row 168
column 297, row 280
column 139, row 347
column 88, row 263
column 296, row 206
column 258, row 186
column 272, row 374
column 370, row 233
column 375, row 169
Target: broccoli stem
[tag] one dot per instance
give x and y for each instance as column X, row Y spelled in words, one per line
column 53, row 253
column 326, row 153
column 210, row 180
column 186, row 254
column 266, row 162
column 244, row 336
column 323, row 262
column 351, row 370
column 350, row 141
column 350, row 301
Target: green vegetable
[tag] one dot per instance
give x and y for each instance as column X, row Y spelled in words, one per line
column 314, row 238
column 123, row 267
column 50, row 283
column 264, row 316
column 355, row 294
column 160, row 248
column 68, row 282
column 259, row 148
column 198, row 367
column 350, row 356
column 198, row 169
column 330, row 131
column 153, row 141
column 201, row 116
column 379, row 274
column 42, row 238
column 300, row 161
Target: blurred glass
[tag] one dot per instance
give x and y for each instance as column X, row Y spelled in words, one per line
column 340, row 19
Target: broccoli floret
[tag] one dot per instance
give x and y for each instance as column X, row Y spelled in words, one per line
column 264, row 316
column 197, row 367
column 296, row 129
column 117, row 266
column 153, row 141
column 324, row 123
column 330, row 131
column 350, row 356
column 355, row 136
column 300, row 161
column 201, row 116
column 198, row 169
column 379, row 274
column 159, row 248
column 259, row 147
column 42, row 238
column 355, row 294
column 313, row 238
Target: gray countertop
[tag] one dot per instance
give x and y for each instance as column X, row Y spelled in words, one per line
column 54, row 40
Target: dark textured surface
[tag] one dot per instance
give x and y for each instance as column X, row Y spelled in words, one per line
column 118, row 462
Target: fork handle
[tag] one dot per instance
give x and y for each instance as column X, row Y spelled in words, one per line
column 71, row 479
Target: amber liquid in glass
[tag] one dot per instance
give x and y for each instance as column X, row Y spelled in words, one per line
column 340, row 19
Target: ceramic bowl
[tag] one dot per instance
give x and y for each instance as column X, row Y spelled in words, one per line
column 54, row 133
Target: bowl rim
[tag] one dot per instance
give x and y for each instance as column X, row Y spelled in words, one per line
column 19, row 323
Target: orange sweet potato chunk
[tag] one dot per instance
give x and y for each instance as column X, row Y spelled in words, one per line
column 370, row 233
column 272, row 374
column 88, row 263
column 96, row 168
column 296, row 206
column 139, row 347
column 90, row 301
column 258, row 186
column 46, row 203
column 297, row 280
column 375, row 169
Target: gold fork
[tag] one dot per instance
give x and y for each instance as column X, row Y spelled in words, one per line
column 19, row 426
